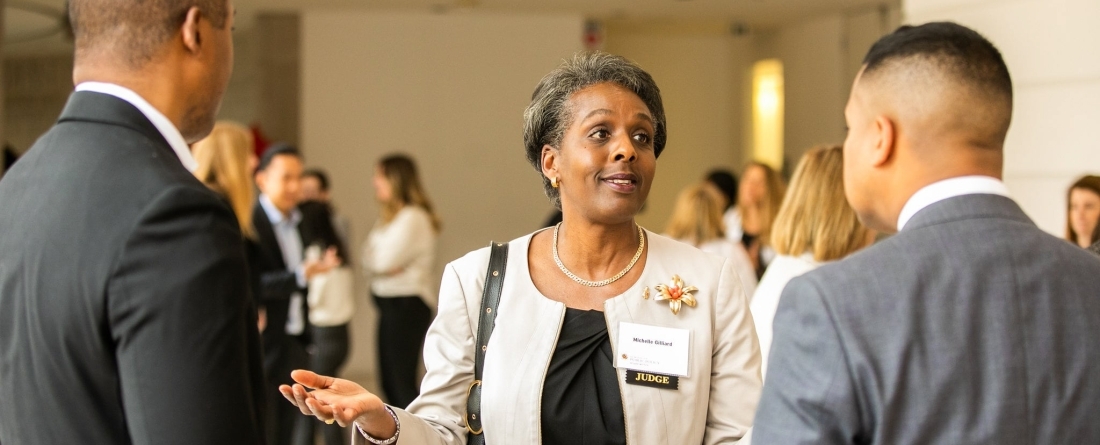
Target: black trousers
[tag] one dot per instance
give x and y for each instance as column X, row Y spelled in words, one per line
column 327, row 355
column 282, row 416
column 403, row 322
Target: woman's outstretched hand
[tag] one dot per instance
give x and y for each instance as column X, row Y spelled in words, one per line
column 339, row 400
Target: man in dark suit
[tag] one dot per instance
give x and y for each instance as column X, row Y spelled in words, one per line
column 970, row 325
column 284, row 274
column 124, row 303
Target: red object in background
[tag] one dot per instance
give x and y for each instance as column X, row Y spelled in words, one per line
column 593, row 35
column 259, row 141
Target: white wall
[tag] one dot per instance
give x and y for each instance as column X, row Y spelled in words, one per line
column 1052, row 48
column 448, row 89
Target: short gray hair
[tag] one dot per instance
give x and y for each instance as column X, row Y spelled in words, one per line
column 547, row 117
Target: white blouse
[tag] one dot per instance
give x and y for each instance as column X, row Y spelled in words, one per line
column 766, row 298
column 398, row 256
column 735, row 252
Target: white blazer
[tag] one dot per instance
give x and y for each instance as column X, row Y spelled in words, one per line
column 715, row 404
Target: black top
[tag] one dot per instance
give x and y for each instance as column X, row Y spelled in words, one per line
column 581, row 402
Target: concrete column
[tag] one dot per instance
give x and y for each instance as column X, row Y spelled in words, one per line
column 1051, row 48
column 277, row 107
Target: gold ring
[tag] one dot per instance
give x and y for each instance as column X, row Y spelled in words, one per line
column 330, row 421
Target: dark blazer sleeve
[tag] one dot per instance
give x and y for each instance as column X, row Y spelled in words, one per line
column 179, row 313
column 276, row 284
column 809, row 394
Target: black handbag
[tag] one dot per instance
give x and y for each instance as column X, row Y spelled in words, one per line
column 490, row 299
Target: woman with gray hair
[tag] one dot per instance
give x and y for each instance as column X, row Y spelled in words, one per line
column 605, row 333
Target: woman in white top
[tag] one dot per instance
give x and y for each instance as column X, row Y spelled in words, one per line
column 760, row 194
column 556, row 371
column 815, row 225
column 398, row 258
column 697, row 220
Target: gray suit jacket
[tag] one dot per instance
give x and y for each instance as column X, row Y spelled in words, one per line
column 969, row 326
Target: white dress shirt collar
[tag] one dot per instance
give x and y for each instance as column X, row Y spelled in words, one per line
column 275, row 215
column 165, row 126
column 949, row 188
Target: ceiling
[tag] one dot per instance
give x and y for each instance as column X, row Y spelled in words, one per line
column 27, row 20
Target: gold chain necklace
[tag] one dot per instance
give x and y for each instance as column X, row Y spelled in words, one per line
column 584, row 282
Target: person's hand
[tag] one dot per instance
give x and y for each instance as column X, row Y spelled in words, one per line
column 329, row 261
column 339, row 400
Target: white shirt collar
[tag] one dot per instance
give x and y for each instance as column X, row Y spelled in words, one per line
column 274, row 215
column 165, row 126
column 949, row 188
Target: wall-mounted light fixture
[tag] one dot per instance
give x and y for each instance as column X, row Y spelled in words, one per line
column 767, row 112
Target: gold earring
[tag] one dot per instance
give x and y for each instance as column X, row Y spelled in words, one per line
column 555, row 182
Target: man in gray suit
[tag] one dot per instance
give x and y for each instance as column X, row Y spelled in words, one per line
column 970, row 325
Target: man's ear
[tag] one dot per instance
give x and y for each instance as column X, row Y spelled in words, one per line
column 259, row 178
column 550, row 161
column 885, row 141
column 192, row 37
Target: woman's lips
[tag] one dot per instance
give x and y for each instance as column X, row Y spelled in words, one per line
column 622, row 185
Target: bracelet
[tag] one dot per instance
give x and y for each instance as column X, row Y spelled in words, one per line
column 387, row 441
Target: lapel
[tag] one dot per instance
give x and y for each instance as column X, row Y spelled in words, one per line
column 266, row 233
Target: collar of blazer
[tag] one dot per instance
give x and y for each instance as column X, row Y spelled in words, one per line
column 87, row 106
column 966, row 207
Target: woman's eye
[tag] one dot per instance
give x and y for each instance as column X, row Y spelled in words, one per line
column 642, row 137
column 601, row 134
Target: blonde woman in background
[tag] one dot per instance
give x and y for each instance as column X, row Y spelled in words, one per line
column 697, row 220
column 759, row 197
column 398, row 258
column 225, row 164
column 815, row 225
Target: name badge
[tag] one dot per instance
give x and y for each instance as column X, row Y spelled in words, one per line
column 653, row 349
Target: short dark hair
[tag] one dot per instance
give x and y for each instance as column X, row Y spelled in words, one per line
column 547, row 117
column 277, row 149
column 726, row 182
column 959, row 51
column 135, row 29
column 319, row 175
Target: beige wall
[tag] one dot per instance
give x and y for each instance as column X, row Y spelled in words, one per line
column 449, row 90
column 700, row 69
column 821, row 56
column 3, row 134
column 35, row 90
column 1051, row 49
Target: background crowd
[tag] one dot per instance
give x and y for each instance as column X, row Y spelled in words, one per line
column 110, row 316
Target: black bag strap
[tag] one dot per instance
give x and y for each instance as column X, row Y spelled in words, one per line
column 490, row 299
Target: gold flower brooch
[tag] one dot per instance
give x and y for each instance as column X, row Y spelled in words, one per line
column 675, row 292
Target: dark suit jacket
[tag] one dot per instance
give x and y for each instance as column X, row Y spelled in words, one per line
column 970, row 326
column 124, row 304
column 277, row 284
